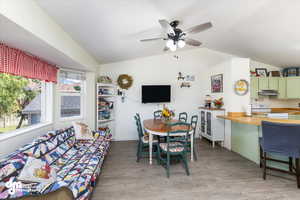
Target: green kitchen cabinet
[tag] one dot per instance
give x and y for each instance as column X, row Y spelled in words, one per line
column 273, row 83
column 263, row 83
column 254, row 87
column 282, row 88
column 293, row 87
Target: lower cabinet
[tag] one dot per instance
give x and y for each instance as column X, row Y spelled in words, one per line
column 211, row 127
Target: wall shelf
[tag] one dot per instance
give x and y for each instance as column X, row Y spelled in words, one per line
column 105, row 111
column 107, row 95
column 105, row 120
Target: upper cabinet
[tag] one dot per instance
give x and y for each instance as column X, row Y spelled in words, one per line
column 268, row 83
column 273, row 83
column 263, row 83
column 254, row 87
column 287, row 87
column 292, row 87
column 282, row 88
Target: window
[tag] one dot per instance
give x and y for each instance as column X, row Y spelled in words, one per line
column 71, row 90
column 21, row 102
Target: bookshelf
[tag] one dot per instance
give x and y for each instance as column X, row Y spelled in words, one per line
column 106, row 96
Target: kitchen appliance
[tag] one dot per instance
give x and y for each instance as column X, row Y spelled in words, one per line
column 268, row 93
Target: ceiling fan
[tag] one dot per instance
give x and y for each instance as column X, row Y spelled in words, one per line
column 176, row 38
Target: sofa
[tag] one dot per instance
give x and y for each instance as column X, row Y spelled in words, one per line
column 77, row 165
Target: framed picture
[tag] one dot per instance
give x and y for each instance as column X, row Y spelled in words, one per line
column 217, row 83
column 262, row 72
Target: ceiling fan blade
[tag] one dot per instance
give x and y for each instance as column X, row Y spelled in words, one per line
column 198, row 28
column 192, row 42
column 166, row 26
column 166, row 49
column 152, row 39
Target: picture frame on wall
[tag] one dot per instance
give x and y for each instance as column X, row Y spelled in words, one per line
column 261, row 72
column 217, row 83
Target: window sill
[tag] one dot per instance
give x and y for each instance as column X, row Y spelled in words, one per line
column 11, row 134
column 63, row 119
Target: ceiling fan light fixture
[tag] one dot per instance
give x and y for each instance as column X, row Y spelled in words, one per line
column 169, row 43
column 173, row 47
column 181, row 43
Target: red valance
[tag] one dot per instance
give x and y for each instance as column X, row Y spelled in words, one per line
column 16, row 62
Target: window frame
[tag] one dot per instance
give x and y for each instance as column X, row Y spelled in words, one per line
column 81, row 94
column 46, row 113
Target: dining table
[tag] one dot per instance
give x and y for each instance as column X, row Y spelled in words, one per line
column 159, row 127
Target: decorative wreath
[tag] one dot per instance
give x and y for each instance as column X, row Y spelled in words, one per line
column 125, row 81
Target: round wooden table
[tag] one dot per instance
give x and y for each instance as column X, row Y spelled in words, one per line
column 160, row 128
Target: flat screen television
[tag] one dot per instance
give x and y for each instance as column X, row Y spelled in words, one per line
column 156, row 93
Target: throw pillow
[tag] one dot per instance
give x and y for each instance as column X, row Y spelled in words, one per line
column 82, row 131
column 37, row 170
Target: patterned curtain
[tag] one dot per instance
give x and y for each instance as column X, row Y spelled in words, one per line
column 19, row 63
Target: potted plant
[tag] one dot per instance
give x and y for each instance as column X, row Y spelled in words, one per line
column 218, row 103
column 167, row 114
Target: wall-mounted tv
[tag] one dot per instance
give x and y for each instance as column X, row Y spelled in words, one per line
column 156, row 93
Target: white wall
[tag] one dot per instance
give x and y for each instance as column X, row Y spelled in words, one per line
column 163, row 69
column 239, row 69
column 255, row 64
column 11, row 144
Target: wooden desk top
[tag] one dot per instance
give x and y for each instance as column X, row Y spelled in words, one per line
column 158, row 125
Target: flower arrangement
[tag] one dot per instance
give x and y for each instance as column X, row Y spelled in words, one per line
column 167, row 114
column 218, row 102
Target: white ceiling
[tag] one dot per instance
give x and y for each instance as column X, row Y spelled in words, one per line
column 265, row 30
column 17, row 37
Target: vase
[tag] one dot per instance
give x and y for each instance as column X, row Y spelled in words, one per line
column 218, row 106
column 166, row 119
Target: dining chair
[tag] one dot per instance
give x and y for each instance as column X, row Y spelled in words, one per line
column 157, row 114
column 143, row 142
column 183, row 117
column 194, row 122
column 281, row 139
column 175, row 147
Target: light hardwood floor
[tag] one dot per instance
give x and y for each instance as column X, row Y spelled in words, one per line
column 217, row 175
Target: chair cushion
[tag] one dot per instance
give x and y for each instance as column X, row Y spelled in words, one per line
column 37, row 170
column 145, row 139
column 174, row 147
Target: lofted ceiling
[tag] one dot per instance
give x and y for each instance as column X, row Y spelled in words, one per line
column 264, row 30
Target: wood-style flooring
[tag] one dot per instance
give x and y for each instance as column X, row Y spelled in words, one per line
column 217, row 175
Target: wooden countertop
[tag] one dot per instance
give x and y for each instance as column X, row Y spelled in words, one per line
column 253, row 120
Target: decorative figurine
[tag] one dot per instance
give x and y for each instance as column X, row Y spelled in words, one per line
column 208, row 101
